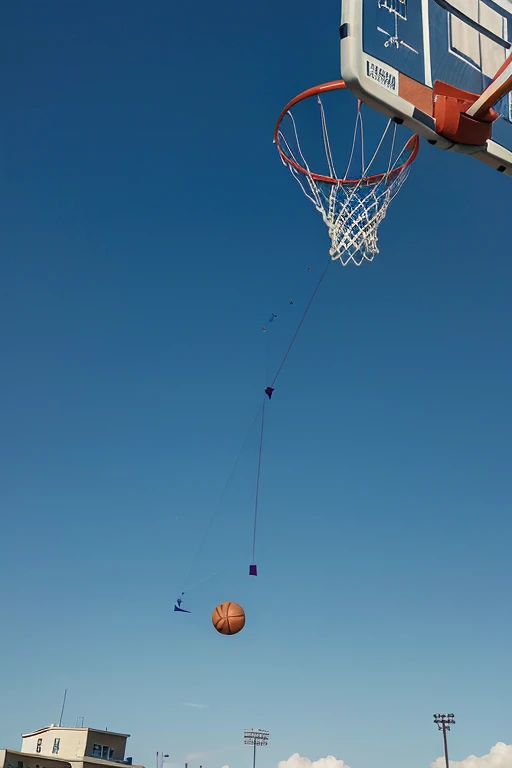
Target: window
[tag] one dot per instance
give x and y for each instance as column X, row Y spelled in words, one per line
column 103, row 752
column 38, row 746
column 56, row 745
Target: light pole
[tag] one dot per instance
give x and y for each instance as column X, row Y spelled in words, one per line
column 160, row 759
column 443, row 723
column 256, row 738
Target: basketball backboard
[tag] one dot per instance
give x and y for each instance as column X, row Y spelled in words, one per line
column 393, row 51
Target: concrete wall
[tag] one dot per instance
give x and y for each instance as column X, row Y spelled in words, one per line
column 72, row 742
column 11, row 759
column 105, row 739
column 76, row 742
column 93, row 763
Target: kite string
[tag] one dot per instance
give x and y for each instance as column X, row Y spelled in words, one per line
column 203, row 581
column 303, row 317
column 217, row 506
column 258, row 478
column 261, row 410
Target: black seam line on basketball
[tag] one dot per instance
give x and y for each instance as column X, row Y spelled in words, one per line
column 446, row 6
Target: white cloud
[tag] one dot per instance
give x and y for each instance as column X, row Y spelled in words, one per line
column 296, row 761
column 500, row 756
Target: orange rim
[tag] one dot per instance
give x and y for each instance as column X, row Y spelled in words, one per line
column 337, row 85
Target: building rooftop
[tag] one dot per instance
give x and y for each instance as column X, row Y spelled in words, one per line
column 95, row 761
column 47, row 758
column 69, row 761
column 67, row 728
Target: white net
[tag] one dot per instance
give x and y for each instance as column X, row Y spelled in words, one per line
column 352, row 208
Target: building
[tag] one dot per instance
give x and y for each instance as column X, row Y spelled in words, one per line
column 73, row 743
column 60, row 747
column 10, row 758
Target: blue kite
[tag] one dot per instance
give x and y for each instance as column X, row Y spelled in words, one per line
column 178, row 607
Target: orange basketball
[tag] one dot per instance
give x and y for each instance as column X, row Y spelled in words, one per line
column 228, row 618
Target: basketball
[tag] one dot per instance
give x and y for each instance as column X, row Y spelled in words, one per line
column 228, row 618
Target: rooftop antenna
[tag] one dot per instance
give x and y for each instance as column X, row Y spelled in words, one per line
column 63, row 705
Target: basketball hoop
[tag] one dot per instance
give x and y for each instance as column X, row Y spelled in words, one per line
column 354, row 205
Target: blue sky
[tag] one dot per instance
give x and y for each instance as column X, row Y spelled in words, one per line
column 147, row 231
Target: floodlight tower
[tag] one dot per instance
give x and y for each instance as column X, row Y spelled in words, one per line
column 160, row 759
column 255, row 738
column 443, row 723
